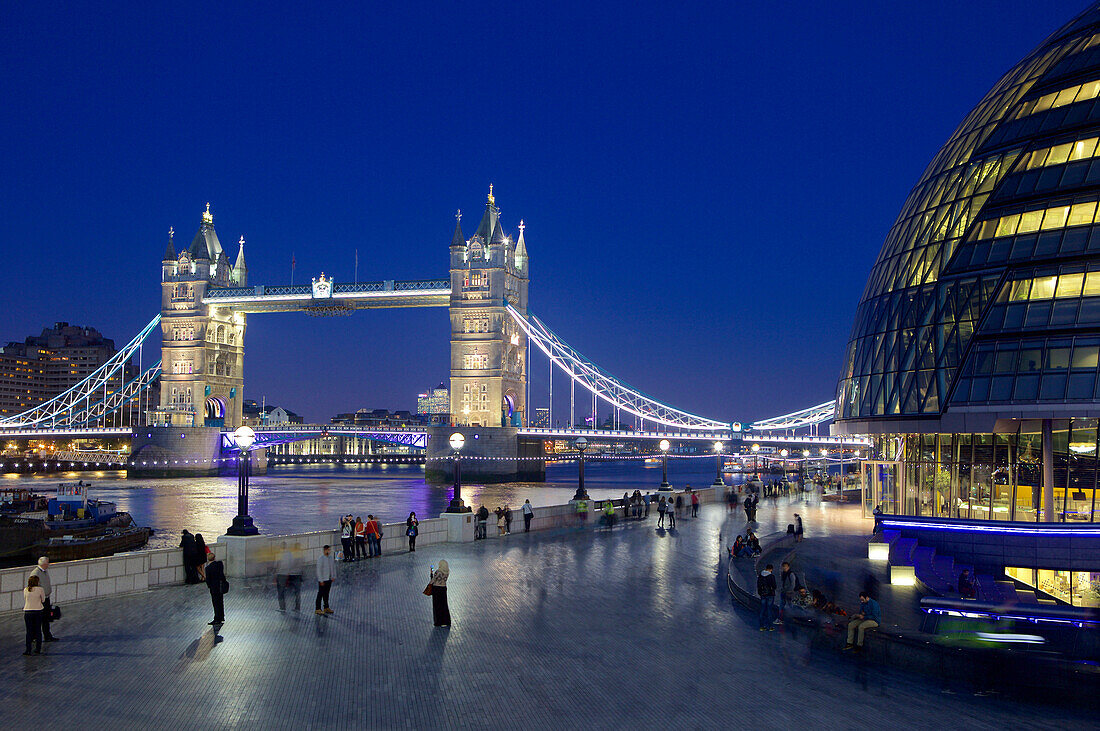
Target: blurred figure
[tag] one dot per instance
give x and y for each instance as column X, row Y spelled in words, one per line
column 966, row 585
column 326, row 574
column 288, row 577
column 190, row 558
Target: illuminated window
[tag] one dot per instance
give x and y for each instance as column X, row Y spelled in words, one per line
column 1079, row 214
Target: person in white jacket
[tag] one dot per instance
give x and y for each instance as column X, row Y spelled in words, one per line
column 42, row 571
column 326, row 574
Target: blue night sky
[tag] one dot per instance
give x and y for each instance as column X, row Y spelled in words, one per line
column 705, row 186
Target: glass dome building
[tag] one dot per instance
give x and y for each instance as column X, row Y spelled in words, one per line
column 974, row 355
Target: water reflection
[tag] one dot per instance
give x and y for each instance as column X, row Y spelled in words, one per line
column 294, row 499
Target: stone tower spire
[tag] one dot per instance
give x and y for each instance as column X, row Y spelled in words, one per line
column 240, row 269
column 170, row 252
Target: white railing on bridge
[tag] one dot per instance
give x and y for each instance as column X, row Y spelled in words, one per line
column 95, row 458
column 107, row 431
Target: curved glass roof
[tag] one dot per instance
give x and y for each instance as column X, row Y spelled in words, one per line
column 1013, row 188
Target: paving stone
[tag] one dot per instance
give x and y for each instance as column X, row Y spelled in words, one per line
column 557, row 629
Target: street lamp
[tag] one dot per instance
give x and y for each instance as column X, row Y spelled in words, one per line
column 755, row 451
column 242, row 525
column 664, row 446
column 581, row 444
column 457, row 441
column 718, row 475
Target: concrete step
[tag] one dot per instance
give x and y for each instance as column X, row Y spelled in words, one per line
column 889, row 536
column 1026, row 596
column 1007, row 592
column 901, row 551
column 944, row 566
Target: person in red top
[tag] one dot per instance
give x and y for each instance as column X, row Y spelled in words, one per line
column 695, row 505
column 374, row 537
column 360, row 539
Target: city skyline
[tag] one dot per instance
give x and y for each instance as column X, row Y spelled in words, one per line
column 343, row 184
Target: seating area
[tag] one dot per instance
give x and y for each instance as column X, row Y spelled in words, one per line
column 938, row 575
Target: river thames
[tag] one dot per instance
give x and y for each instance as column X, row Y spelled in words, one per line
column 305, row 498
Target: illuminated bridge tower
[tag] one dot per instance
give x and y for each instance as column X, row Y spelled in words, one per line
column 202, row 373
column 488, row 350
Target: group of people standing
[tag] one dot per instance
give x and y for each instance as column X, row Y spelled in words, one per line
column 196, row 554
column 359, row 539
column 504, row 519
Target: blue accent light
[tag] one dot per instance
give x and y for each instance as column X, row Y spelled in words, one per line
column 996, row 529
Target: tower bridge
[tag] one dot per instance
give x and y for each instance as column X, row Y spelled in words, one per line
column 206, row 300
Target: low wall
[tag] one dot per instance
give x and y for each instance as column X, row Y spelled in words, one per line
column 252, row 556
column 990, row 545
column 93, row 578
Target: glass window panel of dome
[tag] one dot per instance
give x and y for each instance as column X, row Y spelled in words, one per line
column 1057, row 358
column 1081, row 386
column 1027, row 182
column 1074, row 240
column 1092, row 284
column 1085, row 354
column 1000, row 389
column 1030, row 359
column 1042, row 288
column 1058, row 154
column 1030, row 221
column 1053, row 387
column 1020, row 289
column 1007, row 225
column 1027, row 388
column 1094, row 170
column 1073, row 175
column 1048, row 244
column 1089, row 314
column 1055, row 218
column 1064, row 312
column 1038, row 314
column 995, row 319
column 1006, row 359
column 1048, row 180
column 1069, row 285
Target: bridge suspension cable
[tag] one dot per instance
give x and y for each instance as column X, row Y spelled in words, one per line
column 603, row 385
column 797, row 419
column 95, row 396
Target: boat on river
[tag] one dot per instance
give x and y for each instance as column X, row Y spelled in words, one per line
column 71, row 526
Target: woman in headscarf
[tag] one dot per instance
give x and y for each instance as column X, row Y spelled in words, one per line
column 441, row 611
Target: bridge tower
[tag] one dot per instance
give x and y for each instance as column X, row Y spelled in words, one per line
column 202, row 350
column 488, row 350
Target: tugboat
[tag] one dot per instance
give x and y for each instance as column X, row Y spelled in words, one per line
column 71, row 527
column 15, row 500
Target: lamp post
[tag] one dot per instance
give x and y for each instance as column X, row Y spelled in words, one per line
column 718, row 475
column 755, row 451
column 802, row 469
column 457, row 441
column 664, row 446
column 242, row 525
column 581, row 444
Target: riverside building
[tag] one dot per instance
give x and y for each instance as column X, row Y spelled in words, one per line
column 973, row 358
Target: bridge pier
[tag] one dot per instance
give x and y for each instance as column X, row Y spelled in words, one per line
column 171, row 451
column 490, row 454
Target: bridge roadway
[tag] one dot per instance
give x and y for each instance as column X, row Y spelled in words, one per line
column 558, row 629
column 338, row 296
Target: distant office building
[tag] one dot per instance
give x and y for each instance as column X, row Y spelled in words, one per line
column 435, row 401
column 542, row 418
column 376, row 418
column 258, row 414
column 46, row 365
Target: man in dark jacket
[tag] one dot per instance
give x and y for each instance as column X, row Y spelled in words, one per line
column 482, row 518
column 765, row 588
column 216, row 583
column 966, row 585
column 191, row 558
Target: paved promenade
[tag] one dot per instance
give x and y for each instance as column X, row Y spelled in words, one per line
column 552, row 630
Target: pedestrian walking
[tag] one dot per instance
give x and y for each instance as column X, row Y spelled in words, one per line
column 609, row 514
column 679, row 504
column 374, row 536
column 190, row 558
column 412, row 528
column 34, row 599
column 326, row 574
column 582, row 511
column 218, row 586
column 42, row 571
column 360, row 538
column 646, row 500
column 528, row 515
column 765, row 589
column 661, row 507
column 797, row 528
column 670, row 513
column 695, row 505
column 441, row 611
column 507, row 519
column 288, row 577
column 346, row 532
